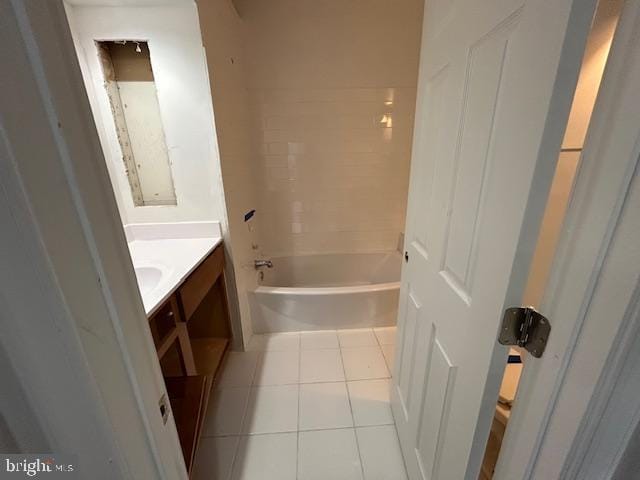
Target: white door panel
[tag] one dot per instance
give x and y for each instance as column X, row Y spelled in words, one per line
column 484, row 127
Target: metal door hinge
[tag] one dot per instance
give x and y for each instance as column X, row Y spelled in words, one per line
column 164, row 408
column 525, row 327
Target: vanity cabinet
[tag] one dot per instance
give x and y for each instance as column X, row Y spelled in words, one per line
column 191, row 332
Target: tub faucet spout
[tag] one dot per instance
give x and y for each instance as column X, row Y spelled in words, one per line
column 263, row 263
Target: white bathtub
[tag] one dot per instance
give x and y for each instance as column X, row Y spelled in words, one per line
column 320, row 292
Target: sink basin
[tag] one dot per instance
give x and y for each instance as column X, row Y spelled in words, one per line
column 148, row 278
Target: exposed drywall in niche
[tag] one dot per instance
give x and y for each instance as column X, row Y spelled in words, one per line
column 128, row 79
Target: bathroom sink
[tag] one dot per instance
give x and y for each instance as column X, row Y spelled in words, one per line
column 148, row 278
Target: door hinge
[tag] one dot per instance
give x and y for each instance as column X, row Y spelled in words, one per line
column 164, row 408
column 526, row 328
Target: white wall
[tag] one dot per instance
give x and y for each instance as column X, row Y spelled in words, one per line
column 321, row 76
column 593, row 64
column 223, row 40
column 184, row 97
column 180, row 74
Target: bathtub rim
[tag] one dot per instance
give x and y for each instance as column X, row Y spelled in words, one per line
column 376, row 287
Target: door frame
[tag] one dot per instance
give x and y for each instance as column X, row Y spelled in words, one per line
column 75, row 340
column 556, row 418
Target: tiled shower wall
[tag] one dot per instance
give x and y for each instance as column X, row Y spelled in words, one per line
column 332, row 92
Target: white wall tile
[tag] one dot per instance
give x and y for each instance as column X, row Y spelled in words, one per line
column 331, row 123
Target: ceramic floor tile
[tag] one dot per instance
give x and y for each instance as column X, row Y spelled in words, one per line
column 225, row 411
column 363, row 363
column 272, row 409
column 370, row 402
column 266, row 457
column 277, row 342
column 321, row 339
column 324, row 405
column 389, row 352
column 277, row 368
column 238, row 369
column 380, row 453
column 328, row 455
column 321, row 366
column 215, row 458
column 361, row 337
column 385, row 335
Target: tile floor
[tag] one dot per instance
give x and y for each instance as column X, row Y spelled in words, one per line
column 304, row 406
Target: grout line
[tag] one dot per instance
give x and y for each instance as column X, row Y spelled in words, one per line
column 244, row 418
column 234, row 458
column 307, row 430
column 298, row 423
column 353, row 420
column 384, row 357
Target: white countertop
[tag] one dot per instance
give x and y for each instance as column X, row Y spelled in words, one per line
column 162, row 263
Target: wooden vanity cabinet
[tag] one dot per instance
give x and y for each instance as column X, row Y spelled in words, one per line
column 191, row 332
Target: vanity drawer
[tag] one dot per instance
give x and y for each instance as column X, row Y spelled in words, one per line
column 194, row 289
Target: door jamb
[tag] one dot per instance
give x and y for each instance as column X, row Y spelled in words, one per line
column 523, row 445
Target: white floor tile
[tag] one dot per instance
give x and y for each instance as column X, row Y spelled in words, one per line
column 363, row 363
column 389, row 352
column 386, row 335
column 215, row 458
column 321, row 366
column 277, row 368
column 272, row 409
column 238, row 369
column 361, row 337
column 324, row 405
column 225, row 411
column 328, row 455
column 277, row 342
column 370, row 402
column 321, row 339
column 380, row 452
column 266, row 457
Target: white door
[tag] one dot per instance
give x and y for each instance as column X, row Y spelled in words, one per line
column 486, row 140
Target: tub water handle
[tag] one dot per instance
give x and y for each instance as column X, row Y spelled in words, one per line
column 263, row 263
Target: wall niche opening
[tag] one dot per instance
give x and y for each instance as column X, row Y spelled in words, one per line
column 130, row 86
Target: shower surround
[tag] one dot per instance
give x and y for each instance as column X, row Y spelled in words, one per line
column 314, row 104
column 332, row 94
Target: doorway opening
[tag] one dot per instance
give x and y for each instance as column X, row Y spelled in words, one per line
column 593, row 64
